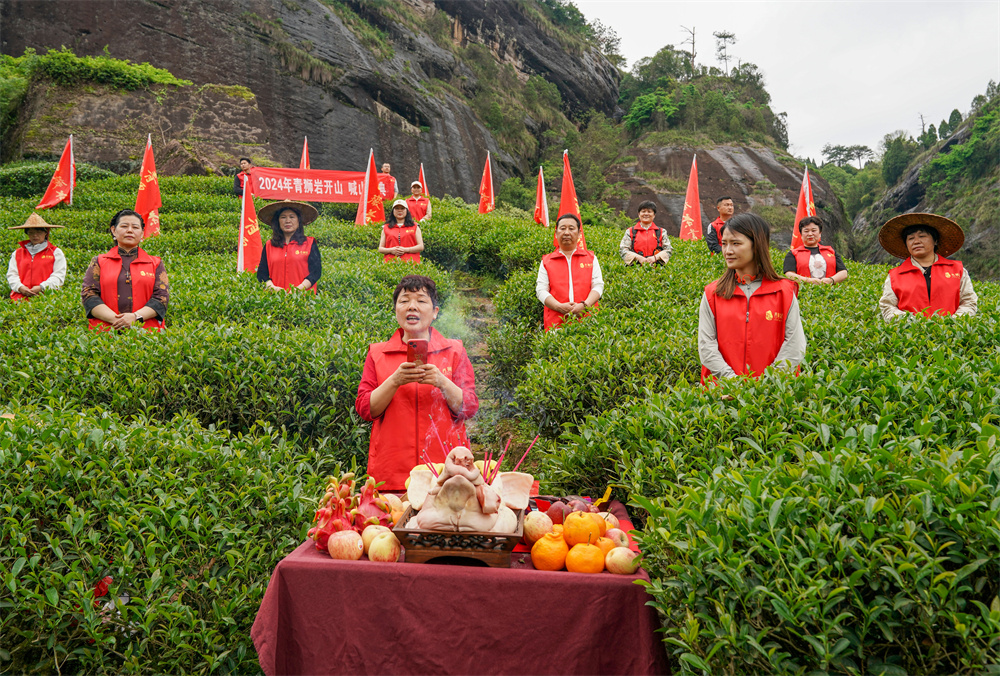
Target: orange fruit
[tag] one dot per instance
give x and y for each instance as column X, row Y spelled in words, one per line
column 606, row 544
column 599, row 520
column 584, row 558
column 557, row 528
column 581, row 528
column 549, row 553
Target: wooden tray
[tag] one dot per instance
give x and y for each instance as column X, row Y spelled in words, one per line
column 422, row 546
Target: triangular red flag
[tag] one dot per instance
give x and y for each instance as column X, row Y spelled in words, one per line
column 304, row 161
column 63, row 180
column 147, row 201
column 541, row 201
column 805, row 208
column 568, row 203
column 691, row 217
column 250, row 245
column 370, row 208
column 423, row 181
column 486, row 199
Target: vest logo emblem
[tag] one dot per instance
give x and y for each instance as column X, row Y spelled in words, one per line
column 446, row 370
column 769, row 316
column 947, row 275
column 586, row 265
column 144, row 273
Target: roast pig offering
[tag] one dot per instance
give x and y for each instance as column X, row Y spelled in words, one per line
column 460, row 500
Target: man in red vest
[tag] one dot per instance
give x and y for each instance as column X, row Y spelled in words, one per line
column 386, row 183
column 726, row 208
column 645, row 242
column 241, row 179
column 814, row 263
column 37, row 265
column 569, row 279
column 926, row 283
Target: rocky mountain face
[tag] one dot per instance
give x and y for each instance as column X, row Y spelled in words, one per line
column 346, row 77
column 974, row 205
column 757, row 178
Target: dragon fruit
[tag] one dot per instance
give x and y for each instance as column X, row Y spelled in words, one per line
column 334, row 513
column 371, row 508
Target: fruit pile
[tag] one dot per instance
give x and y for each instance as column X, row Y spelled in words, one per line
column 578, row 537
column 352, row 523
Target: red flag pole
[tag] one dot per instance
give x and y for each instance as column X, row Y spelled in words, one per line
column 63, row 180
column 486, row 197
column 568, row 203
column 805, row 208
column 423, row 182
column 304, row 160
column 147, row 200
column 691, row 218
column 72, row 170
column 541, row 201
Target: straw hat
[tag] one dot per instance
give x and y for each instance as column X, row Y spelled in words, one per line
column 34, row 221
column 951, row 237
column 307, row 211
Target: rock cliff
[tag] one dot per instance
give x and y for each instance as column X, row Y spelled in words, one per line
column 349, row 75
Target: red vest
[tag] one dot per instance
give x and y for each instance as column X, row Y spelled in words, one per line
column 646, row 242
column 417, row 207
column 802, row 255
column 582, row 265
column 718, row 224
column 289, row 265
column 406, row 236
column 404, row 428
column 911, row 289
column 143, row 270
column 751, row 333
column 33, row 271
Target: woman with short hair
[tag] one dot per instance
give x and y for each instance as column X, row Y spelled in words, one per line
column 126, row 287
column 813, row 262
column 37, row 265
column 401, row 237
column 645, row 242
column 749, row 317
column 418, row 204
column 289, row 259
column 927, row 282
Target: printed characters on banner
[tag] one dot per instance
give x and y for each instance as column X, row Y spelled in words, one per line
column 63, row 180
column 147, row 201
column 308, row 185
column 250, row 244
column 805, row 208
column 370, row 207
column 568, row 203
column 691, row 217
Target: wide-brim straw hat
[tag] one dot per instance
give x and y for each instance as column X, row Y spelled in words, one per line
column 34, row 221
column 307, row 212
column 950, row 235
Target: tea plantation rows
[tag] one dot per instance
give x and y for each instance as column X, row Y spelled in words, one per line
column 845, row 521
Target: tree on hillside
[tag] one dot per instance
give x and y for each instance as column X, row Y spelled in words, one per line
column 944, row 130
column 691, row 67
column 929, row 137
column 954, row 120
column 722, row 41
column 859, row 153
column 837, row 154
column 898, row 150
column 608, row 41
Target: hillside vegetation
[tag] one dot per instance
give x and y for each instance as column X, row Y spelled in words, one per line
column 845, row 520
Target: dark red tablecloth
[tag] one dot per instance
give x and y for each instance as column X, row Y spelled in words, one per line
column 324, row 616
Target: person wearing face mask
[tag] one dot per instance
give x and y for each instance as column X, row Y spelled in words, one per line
column 37, row 265
column 645, row 242
column 289, row 259
column 749, row 317
column 417, row 405
column 813, row 262
column 401, row 237
column 927, row 283
column 569, row 279
column 126, row 287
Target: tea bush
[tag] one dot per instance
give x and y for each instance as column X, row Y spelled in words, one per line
column 187, row 521
column 30, row 179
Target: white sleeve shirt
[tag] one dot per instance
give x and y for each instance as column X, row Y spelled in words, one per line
column 542, row 283
column 55, row 280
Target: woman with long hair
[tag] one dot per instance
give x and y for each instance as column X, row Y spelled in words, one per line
column 401, row 236
column 289, row 259
column 749, row 317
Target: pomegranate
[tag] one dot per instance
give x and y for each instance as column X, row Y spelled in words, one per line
column 345, row 544
column 384, row 548
column 622, row 561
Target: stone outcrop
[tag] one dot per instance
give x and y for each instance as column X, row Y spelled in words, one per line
column 314, row 76
column 757, row 178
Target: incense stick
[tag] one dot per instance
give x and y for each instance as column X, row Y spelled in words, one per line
column 525, row 454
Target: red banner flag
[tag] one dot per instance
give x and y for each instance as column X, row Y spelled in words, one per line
column 423, row 181
column 568, row 203
column 63, row 180
column 304, row 161
column 250, row 245
column 370, row 208
column 147, row 201
column 691, row 218
column 307, row 185
column 805, row 208
column 486, row 200
column 541, row 201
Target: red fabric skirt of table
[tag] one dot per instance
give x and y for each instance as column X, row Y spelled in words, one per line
column 325, row 616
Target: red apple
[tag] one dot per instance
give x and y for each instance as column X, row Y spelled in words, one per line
column 369, row 533
column 610, row 519
column 536, row 524
column 558, row 511
column 618, row 536
column 622, row 561
column 579, row 506
column 345, row 544
column 384, row 548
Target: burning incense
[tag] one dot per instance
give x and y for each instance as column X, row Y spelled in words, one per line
column 525, row 454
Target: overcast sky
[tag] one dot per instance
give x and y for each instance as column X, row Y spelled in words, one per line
column 845, row 72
